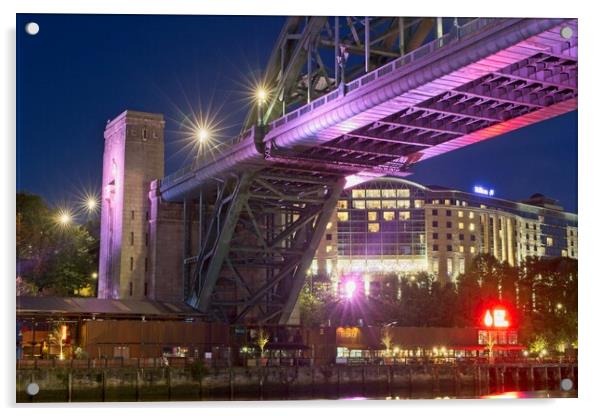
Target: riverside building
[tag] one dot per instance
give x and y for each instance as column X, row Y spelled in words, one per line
column 392, row 225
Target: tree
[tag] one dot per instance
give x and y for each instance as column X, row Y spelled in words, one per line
column 51, row 258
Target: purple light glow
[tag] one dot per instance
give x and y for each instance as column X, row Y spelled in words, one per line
column 350, row 287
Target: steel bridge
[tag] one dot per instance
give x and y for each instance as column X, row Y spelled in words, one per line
column 353, row 98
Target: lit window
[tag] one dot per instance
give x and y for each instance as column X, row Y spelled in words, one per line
column 471, row 226
column 461, row 225
column 435, row 202
column 343, row 216
column 564, row 253
column 373, row 193
column 372, row 216
column 403, row 203
column 328, row 249
column 418, row 203
column 373, row 227
column 461, row 248
column 471, row 215
column 549, row 241
column 447, row 202
column 404, row 215
column 403, row 193
column 329, row 225
column 373, row 204
column 358, row 193
column 359, row 204
column 460, row 214
column 342, row 204
column 388, row 204
column 483, row 206
column 472, row 249
column 389, row 193
column 388, row 215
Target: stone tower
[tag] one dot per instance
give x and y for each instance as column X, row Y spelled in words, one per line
column 133, row 157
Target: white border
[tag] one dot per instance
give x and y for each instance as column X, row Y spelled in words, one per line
column 590, row 178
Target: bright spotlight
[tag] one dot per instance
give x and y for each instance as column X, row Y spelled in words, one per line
column 261, row 94
column 94, row 275
column 203, row 134
column 350, row 287
column 91, row 204
column 64, row 218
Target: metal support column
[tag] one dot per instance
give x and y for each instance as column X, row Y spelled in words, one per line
column 367, row 44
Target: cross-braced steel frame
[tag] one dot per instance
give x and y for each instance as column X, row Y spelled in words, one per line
column 263, row 230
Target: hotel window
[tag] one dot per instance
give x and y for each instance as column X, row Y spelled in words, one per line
column 449, row 248
column 464, row 203
column 342, row 204
column 131, row 263
column 389, row 204
column 373, row 193
column 359, row 204
column 389, row 193
column 461, row 248
column 328, row 237
column 404, row 215
column 421, row 238
column 472, row 237
column 329, row 225
column 373, row 227
column 373, row 204
column 343, row 216
column 403, row 193
column 461, row 264
column 460, row 214
column 372, row 216
column 564, row 253
column 449, row 236
column 419, row 203
column 144, row 134
column 133, row 214
column 358, row 193
column 388, row 215
column 461, row 236
column 131, row 238
column 450, row 267
column 471, row 226
column 402, row 203
column 328, row 248
column 435, row 223
column 448, row 224
column 435, row 202
column 447, row 202
column 471, row 215
column 461, row 225
column 434, row 212
column 435, row 236
column 448, row 213
column 435, row 247
column 549, row 241
column 472, row 249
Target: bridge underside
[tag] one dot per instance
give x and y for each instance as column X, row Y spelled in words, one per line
column 268, row 201
column 263, row 230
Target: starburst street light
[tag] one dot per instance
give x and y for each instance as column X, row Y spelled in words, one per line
column 261, row 94
column 91, row 204
column 64, row 218
column 203, row 134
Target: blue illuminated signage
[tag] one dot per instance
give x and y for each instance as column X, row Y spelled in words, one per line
column 483, row 191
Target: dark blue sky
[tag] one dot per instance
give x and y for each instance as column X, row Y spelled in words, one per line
column 81, row 70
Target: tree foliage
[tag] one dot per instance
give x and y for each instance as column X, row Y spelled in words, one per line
column 51, row 258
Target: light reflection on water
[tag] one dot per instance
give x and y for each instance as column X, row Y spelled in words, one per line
column 542, row 394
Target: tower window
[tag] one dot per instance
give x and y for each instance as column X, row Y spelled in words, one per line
column 133, row 214
column 131, row 289
column 144, row 134
column 146, row 239
column 145, row 264
column 131, row 263
column 132, row 238
column 145, row 289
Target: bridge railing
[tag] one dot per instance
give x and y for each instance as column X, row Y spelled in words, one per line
column 199, row 162
column 462, row 32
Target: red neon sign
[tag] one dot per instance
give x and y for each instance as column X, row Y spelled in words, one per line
column 497, row 319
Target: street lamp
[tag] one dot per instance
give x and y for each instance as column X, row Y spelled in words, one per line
column 203, row 134
column 94, row 275
column 261, row 96
column 91, row 204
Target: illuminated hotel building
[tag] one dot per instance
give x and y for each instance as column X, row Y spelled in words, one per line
column 392, row 225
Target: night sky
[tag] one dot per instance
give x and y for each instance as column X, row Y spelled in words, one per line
column 81, row 70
